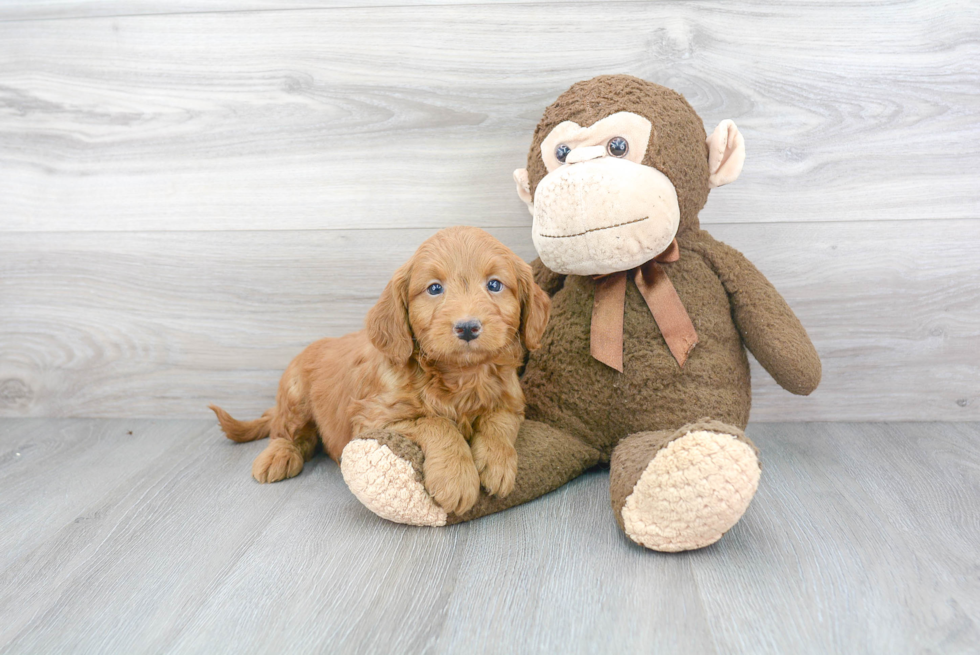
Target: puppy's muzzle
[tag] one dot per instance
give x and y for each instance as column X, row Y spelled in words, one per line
column 468, row 330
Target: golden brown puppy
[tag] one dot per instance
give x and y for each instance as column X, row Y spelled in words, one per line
column 437, row 361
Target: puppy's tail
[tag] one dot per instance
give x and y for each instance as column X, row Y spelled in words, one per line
column 242, row 431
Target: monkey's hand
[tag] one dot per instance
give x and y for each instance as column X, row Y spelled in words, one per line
column 768, row 326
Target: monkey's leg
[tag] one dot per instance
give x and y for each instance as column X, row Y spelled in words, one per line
column 676, row 490
column 384, row 471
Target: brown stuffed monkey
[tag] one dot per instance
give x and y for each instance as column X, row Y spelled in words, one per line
column 643, row 365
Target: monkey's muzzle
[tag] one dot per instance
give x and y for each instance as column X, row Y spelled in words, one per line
column 602, row 216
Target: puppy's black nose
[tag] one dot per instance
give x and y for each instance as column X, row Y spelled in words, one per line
column 468, row 330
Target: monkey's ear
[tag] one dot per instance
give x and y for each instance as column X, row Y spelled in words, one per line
column 524, row 188
column 387, row 323
column 726, row 154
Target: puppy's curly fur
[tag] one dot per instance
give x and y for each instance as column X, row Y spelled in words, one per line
column 410, row 370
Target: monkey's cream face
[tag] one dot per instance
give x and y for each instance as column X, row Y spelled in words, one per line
column 599, row 209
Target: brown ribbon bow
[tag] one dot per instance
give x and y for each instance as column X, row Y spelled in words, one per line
column 662, row 299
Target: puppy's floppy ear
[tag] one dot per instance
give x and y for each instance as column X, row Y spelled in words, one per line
column 387, row 323
column 535, row 307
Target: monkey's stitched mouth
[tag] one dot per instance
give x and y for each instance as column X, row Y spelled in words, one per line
column 594, row 229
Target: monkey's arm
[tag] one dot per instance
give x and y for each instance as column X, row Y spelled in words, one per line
column 768, row 326
column 548, row 280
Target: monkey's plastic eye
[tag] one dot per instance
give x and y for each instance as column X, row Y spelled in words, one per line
column 495, row 285
column 618, row 147
column 561, row 152
column 434, row 289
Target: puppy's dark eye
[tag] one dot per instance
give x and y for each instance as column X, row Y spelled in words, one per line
column 495, row 285
column 434, row 289
column 617, row 146
column 561, row 152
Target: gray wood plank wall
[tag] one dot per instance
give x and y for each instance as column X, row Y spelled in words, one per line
column 192, row 191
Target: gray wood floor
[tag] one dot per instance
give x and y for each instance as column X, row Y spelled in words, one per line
column 133, row 536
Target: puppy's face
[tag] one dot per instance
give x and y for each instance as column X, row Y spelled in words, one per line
column 463, row 301
column 464, row 297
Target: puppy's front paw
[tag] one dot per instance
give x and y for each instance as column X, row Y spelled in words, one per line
column 281, row 459
column 452, row 480
column 496, row 462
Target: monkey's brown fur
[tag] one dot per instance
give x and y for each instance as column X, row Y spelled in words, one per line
column 579, row 410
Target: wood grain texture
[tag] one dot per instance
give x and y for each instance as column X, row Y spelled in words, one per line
column 191, row 192
column 862, row 539
column 161, row 324
column 862, row 529
column 50, row 470
column 416, row 115
column 21, row 10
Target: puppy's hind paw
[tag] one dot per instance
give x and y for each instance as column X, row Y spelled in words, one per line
column 281, row 459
